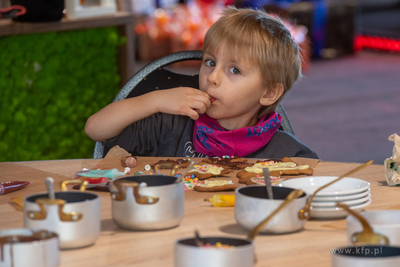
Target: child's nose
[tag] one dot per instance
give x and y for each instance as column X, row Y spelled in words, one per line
column 214, row 78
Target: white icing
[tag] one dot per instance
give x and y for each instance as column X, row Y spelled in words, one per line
column 207, row 168
column 216, row 183
column 275, row 166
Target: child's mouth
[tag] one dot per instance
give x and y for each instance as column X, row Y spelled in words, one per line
column 212, row 99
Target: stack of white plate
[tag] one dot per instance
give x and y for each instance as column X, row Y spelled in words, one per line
column 351, row 191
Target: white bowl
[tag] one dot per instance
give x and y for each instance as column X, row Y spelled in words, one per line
column 345, row 186
column 385, row 222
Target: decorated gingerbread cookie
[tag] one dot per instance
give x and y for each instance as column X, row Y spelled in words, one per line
column 276, row 168
column 183, row 163
column 204, row 171
column 215, row 186
column 233, row 162
column 190, row 183
column 260, row 180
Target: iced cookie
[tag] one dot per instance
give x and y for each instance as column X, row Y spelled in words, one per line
column 233, row 162
column 276, row 168
column 204, row 171
column 260, row 180
column 183, row 163
column 190, row 183
column 215, row 185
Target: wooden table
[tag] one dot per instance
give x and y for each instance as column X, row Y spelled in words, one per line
column 117, row 247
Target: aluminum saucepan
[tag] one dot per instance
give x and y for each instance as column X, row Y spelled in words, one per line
column 74, row 216
column 148, row 202
column 212, row 254
column 252, row 206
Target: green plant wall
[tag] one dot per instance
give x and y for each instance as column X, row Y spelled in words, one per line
column 50, row 84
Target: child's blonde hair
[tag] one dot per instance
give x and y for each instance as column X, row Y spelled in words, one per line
column 262, row 38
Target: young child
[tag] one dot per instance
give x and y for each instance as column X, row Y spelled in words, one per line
column 249, row 62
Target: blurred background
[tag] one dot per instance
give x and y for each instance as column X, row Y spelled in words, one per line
column 63, row 62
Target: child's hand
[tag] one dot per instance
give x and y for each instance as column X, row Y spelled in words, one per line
column 183, row 101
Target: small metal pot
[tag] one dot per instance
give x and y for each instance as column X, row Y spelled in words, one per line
column 252, row 206
column 188, row 254
column 157, row 205
column 74, row 216
column 28, row 248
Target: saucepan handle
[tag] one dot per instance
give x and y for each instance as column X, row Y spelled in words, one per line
column 42, row 214
column 83, row 184
column 121, row 194
column 169, row 165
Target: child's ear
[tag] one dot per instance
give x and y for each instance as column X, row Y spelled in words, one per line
column 272, row 94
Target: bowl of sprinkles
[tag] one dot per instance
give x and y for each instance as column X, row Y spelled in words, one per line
column 215, row 252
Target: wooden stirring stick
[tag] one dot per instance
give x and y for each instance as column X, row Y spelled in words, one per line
column 292, row 196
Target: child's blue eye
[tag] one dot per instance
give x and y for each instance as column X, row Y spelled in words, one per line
column 209, row 63
column 234, row 70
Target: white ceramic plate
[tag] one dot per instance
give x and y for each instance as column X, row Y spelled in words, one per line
column 345, row 186
column 342, row 197
column 347, row 202
column 335, row 212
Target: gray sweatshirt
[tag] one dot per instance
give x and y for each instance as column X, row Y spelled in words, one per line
column 165, row 135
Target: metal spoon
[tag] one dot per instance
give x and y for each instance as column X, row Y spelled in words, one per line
column 197, row 239
column 185, row 171
column 267, row 179
column 305, row 213
column 367, row 236
column 292, row 196
column 50, row 187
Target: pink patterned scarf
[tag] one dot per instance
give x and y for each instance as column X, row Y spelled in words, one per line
column 212, row 140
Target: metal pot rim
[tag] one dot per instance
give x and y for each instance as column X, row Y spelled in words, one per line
column 151, row 186
column 237, row 191
column 248, row 242
column 95, row 196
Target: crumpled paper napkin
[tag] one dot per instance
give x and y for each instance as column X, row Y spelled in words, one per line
column 392, row 164
column 110, row 161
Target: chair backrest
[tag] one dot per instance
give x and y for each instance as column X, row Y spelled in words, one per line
column 154, row 77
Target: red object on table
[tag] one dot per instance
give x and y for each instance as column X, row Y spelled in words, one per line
column 12, row 11
column 95, row 180
column 8, row 187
